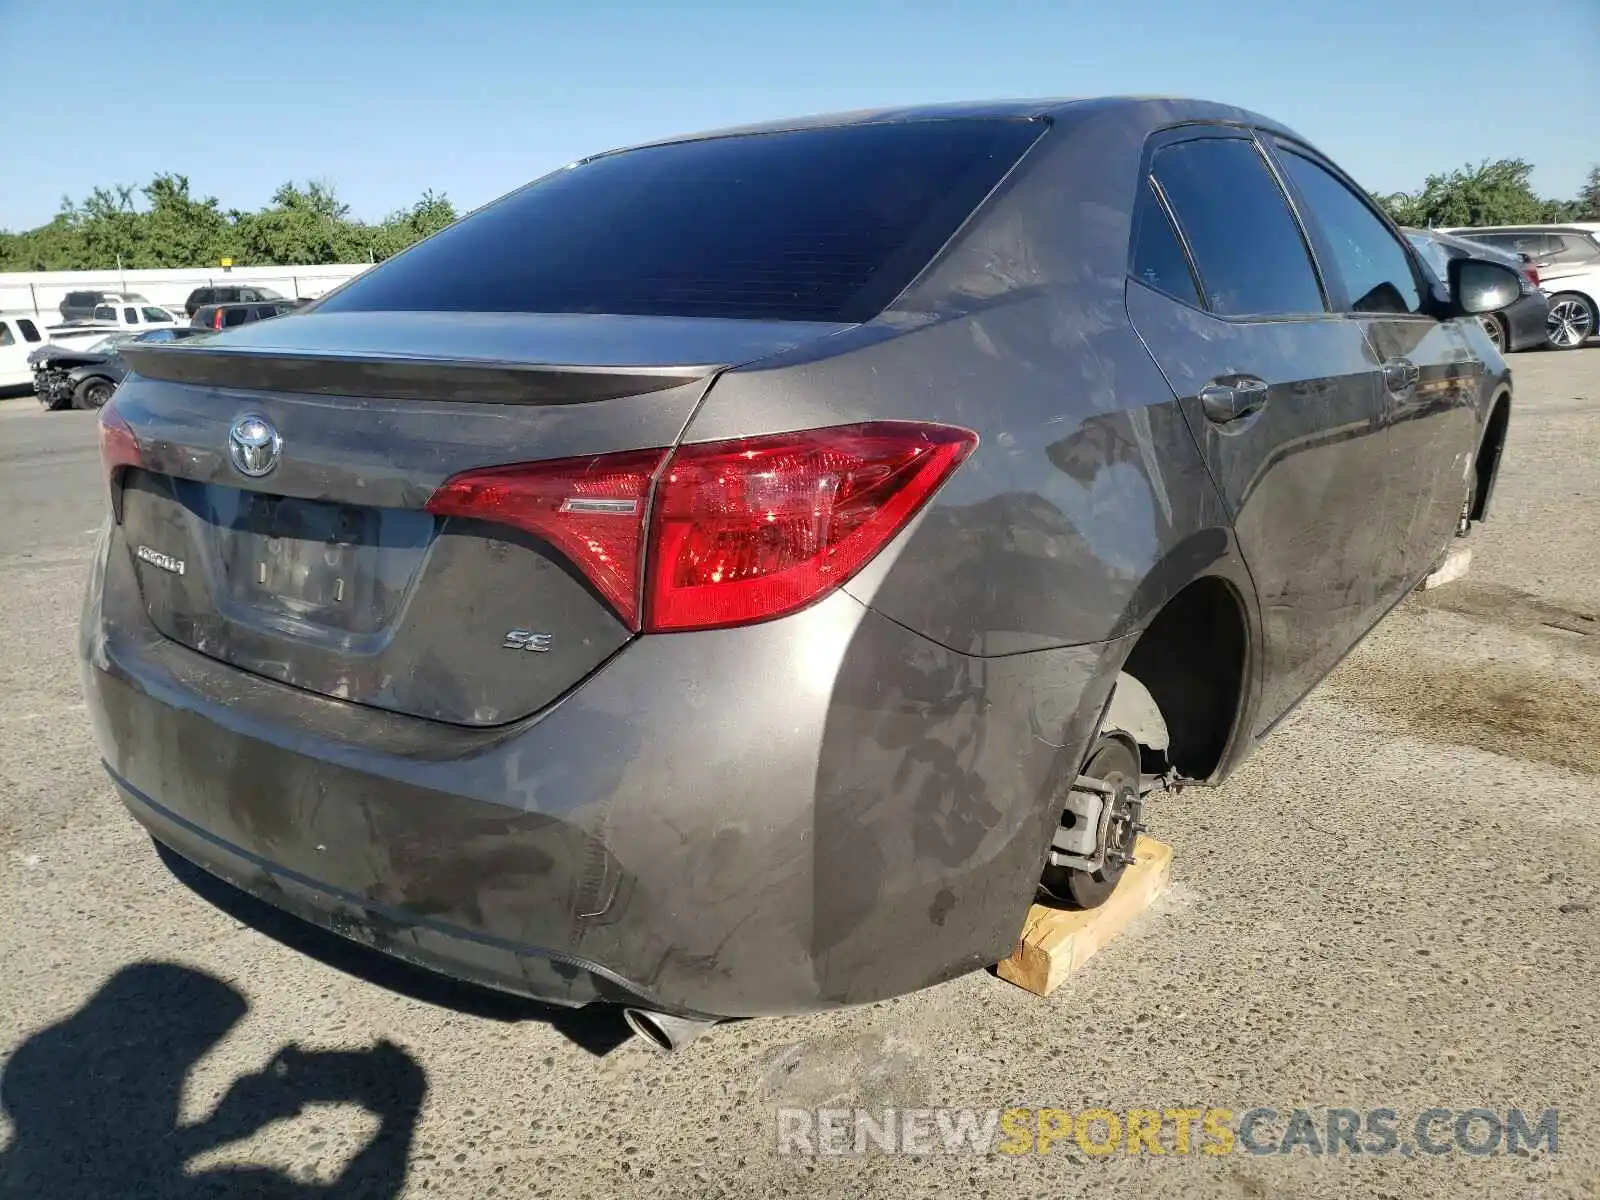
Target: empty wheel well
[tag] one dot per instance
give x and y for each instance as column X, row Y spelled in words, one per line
column 1191, row 659
column 1488, row 464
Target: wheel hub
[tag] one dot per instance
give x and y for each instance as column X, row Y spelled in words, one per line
column 1569, row 323
column 1123, row 825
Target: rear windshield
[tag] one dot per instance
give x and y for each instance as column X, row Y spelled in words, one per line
column 811, row 225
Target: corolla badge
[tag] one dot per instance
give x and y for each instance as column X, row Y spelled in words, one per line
column 254, row 445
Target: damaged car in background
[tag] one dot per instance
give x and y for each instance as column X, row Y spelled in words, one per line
column 84, row 376
column 738, row 575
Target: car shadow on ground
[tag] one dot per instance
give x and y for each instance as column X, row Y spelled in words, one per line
column 95, row 1100
column 599, row 1028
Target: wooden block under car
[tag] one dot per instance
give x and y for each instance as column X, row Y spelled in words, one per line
column 1056, row 941
column 1453, row 568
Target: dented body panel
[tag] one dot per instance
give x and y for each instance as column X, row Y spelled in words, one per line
column 832, row 807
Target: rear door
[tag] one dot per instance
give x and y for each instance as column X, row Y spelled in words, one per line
column 1277, row 389
column 1428, row 374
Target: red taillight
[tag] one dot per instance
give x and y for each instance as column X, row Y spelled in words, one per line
column 590, row 509
column 118, row 445
column 1533, row 275
column 739, row 531
column 119, row 448
column 747, row 530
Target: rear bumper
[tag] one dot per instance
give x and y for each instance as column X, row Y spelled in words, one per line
column 463, row 954
column 822, row 810
column 1526, row 322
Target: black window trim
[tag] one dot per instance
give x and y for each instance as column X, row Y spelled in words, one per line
column 1149, row 184
column 1197, row 131
column 1272, row 143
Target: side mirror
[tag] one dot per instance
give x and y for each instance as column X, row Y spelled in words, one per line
column 1479, row 286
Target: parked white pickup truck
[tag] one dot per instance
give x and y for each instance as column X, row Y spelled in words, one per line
column 132, row 315
column 19, row 335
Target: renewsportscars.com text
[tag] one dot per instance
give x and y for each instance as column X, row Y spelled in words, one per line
column 1099, row 1132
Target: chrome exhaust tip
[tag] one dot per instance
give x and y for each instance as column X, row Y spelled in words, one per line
column 663, row 1031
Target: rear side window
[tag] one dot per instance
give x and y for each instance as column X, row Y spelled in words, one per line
column 1576, row 248
column 235, row 316
column 1158, row 258
column 1246, row 243
column 1534, row 245
column 131, row 316
column 105, row 313
column 813, row 225
column 1374, row 266
column 30, row 331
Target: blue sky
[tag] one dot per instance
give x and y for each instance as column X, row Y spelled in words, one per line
column 471, row 97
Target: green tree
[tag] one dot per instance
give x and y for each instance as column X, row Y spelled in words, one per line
column 1587, row 206
column 181, row 231
column 164, row 224
column 1491, row 193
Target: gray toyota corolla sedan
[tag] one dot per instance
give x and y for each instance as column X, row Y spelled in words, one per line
column 736, row 575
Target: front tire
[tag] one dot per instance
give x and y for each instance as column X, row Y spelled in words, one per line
column 1571, row 321
column 1495, row 327
column 92, row 393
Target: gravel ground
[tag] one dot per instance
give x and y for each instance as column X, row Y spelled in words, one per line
column 1392, row 905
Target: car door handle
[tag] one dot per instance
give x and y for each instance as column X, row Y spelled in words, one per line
column 1232, row 397
column 1400, row 375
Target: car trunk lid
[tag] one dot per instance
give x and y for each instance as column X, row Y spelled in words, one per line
column 327, row 572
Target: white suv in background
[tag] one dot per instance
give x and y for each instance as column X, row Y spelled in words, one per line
column 1567, row 258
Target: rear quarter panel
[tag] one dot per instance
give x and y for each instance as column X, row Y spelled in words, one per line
column 1086, row 504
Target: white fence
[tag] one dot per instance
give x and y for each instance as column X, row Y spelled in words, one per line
column 41, row 292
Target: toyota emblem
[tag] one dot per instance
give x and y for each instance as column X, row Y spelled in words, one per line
column 254, row 445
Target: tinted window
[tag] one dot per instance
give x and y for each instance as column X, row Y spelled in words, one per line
column 30, row 332
column 131, row 316
column 816, row 224
column 5, row 335
column 105, row 313
column 1374, row 266
column 201, row 296
column 1246, row 244
column 1158, row 258
column 1535, row 245
column 235, row 316
column 1576, row 248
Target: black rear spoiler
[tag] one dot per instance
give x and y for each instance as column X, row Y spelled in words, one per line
column 389, row 377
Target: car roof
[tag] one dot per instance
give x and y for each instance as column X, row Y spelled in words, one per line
column 1563, row 227
column 1155, row 109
